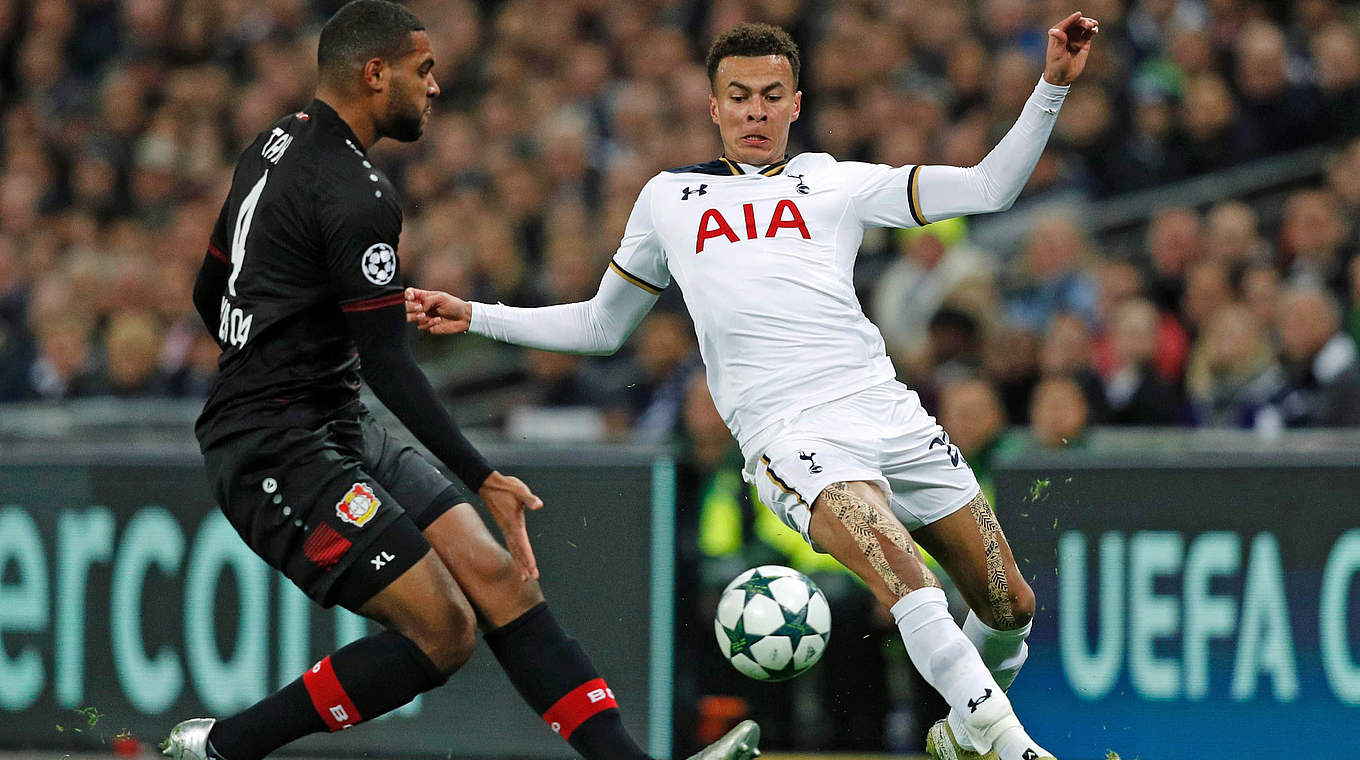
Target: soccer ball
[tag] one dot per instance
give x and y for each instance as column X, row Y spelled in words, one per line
column 773, row 623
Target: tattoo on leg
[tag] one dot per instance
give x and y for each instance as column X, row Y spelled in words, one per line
column 870, row 529
column 998, row 589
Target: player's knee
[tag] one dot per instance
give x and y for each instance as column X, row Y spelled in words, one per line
column 446, row 633
column 493, row 566
column 1022, row 604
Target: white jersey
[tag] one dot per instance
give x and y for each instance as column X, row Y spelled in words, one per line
column 766, row 263
column 765, row 259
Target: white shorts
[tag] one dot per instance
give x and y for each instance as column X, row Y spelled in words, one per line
column 880, row 435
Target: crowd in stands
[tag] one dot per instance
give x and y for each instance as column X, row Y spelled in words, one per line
column 120, row 121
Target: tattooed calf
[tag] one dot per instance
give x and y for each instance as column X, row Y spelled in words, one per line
column 998, row 589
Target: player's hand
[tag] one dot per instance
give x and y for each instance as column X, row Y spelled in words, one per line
column 1069, row 42
column 437, row 312
column 507, row 497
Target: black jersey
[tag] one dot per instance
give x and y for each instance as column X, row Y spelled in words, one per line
column 309, row 232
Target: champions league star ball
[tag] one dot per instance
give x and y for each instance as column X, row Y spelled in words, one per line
column 773, row 623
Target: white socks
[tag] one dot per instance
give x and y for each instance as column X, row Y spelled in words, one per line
column 951, row 663
column 1003, row 652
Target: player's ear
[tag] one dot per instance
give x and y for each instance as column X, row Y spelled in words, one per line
column 375, row 74
column 797, row 105
column 713, row 108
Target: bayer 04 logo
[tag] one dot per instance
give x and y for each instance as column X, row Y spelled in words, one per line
column 773, row 623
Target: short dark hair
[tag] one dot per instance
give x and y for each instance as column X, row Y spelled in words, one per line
column 360, row 31
column 751, row 39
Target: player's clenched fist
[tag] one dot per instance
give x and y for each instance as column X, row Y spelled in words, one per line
column 437, row 312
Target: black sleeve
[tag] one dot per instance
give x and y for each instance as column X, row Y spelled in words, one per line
column 390, row 369
column 360, row 230
column 212, row 276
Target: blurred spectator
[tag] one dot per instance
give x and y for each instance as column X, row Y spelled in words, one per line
column 1284, row 111
column 1010, row 360
column 1313, row 234
column 1232, row 237
column 970, row 411
column 1233, row 376
column 933, row 261
column 1134, row 393
column 1065, row 351
column 1151, row 154
column 134, row 339
column 1321, row 362
column 664, row 357
column 1059, row 415
column 1336, row 49
column 1216, row 136
column 1207, row 287
column 1260, row 288
column 1054, row 275
column 1173, row 243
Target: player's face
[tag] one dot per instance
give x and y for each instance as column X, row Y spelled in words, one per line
column 412, row 92
column 753, row 103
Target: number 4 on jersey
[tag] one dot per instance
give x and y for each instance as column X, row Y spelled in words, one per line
column 233, row 326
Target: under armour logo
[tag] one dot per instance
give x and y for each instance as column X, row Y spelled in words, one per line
column 802, row 188
column 1030, row 755
column 943, row 440
column 813, row 468
column 973, row 704
column 685, row 193
column 380, row 561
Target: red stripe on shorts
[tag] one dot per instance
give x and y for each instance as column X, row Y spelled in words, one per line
column 329, row 697
column 579, row 705
column 216, row 253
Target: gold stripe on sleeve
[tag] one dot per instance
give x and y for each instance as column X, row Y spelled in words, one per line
column 638, row 281
column 914, row 196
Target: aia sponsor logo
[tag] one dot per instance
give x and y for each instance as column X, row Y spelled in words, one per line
column 786, row 216
column 358, row 506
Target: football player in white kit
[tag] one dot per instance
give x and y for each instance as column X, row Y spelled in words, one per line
column 763, row 247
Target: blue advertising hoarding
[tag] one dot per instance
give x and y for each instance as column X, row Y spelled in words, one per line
column 1189, row 606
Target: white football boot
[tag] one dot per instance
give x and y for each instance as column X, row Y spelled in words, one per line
column 737, row 744
column 188, row 740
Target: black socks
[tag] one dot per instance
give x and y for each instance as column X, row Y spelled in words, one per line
column 560, row 683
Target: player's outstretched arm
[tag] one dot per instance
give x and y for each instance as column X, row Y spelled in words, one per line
column 390, row 370
column 598, row 326
column 995, row 183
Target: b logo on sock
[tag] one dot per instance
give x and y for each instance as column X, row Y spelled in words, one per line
column 1030, row 755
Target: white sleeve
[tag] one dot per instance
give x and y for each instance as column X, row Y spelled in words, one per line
column 597, row 326
column 944, row 192
column 630, row 288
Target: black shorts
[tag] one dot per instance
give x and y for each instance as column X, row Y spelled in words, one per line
column 338, row 510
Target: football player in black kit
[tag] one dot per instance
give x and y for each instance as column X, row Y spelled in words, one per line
column 300, row 286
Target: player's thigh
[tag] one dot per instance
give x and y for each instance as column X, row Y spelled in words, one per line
column 971, row 547
column 853, row 523
column 426, row 605
column 791, row 471
column 422, row 489
column 482, row 567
